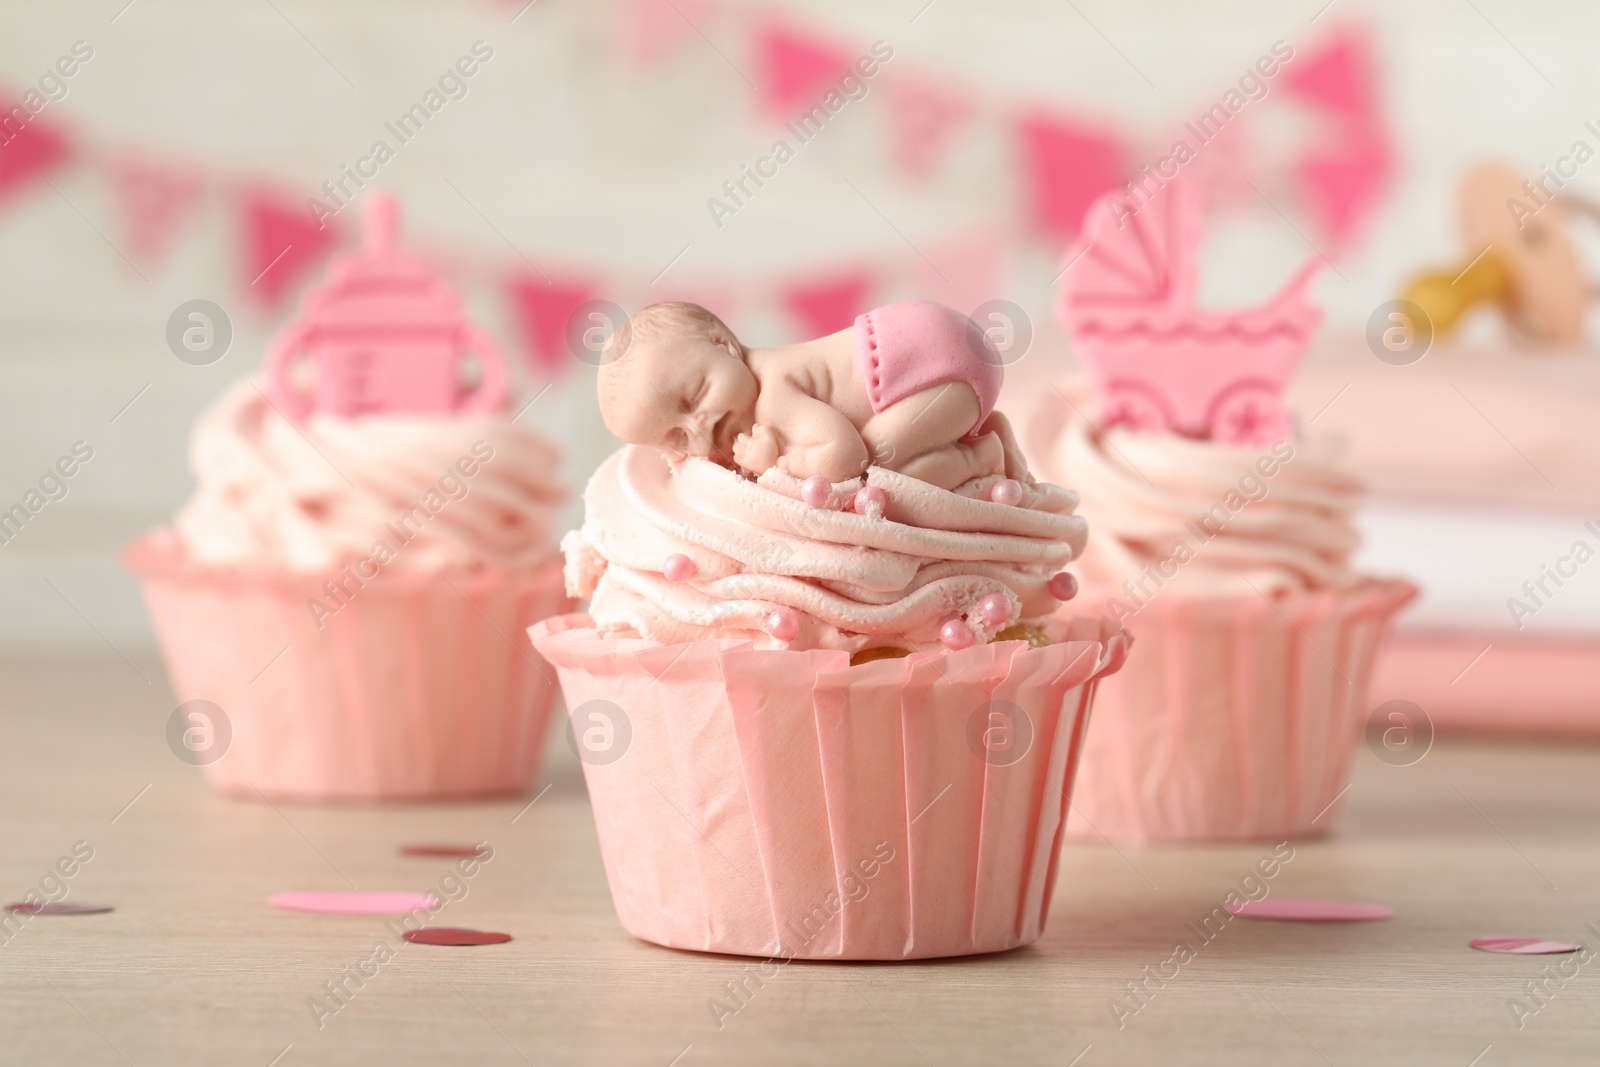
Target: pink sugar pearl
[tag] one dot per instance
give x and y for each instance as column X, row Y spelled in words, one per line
column 956, row 635
column 995, row 609
column 1063, row 586
column 869, row 498
column 783, row 624
column 678, row 568
column 816, row 491
column 1008, row 492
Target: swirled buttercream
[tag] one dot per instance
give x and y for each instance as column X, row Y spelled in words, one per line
column 1207, row 518
column 436, row 493
column 854, row 581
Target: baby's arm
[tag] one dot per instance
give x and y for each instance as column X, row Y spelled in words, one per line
column 818, row 439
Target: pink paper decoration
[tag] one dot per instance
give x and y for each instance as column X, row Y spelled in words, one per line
column 922, row 116
column 796, row 69
column 829, row 304
column 1289, row 909
column 963, row 273
column 1068, row 164
column 281, row 243
column 156, row 200
column 1346, row 171
column 653, row 28
column 354, row 903
column 1337, row 76
column 28, row 155
column 454, row 936
column 543, row 310
column 384, row 336
column 1524, row 946
column 1159, row 363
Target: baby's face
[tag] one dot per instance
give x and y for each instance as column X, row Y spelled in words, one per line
column 690, row 395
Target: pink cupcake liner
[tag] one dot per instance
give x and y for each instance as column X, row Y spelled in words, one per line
column 786, row 804
column 1239, row 718
column 419, row 686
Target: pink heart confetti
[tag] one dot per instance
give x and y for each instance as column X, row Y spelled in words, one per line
column 454, row 936
column 1294, row 910
column 59, row 908
column 340, row 903
column 1523, row 946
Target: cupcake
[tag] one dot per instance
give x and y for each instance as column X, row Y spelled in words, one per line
column 785, row 754
column 341, row 600
column 1222, row 543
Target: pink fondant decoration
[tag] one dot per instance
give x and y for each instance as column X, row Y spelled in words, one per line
column 1067, row 165
column 156, row 201
column 1295, row 910
column 384, row 336
column 653, row 28
column 1007, row 491
column 281, row 243
column 1159, row 363
column 784, row 771
column 543, row 310
column 923, row 115
column 28, row 155
column 869, row 501
column 783, row 624
column 829, row 304
column 796, row 70
column 1523, row 946
column 353, row 903
column 956, row 635
column 816, row 491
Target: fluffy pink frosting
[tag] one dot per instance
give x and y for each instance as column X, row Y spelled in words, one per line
column 318, row 495
column 854, row 581
column 1144, row 495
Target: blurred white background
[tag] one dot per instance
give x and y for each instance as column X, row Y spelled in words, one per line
column 565, row 153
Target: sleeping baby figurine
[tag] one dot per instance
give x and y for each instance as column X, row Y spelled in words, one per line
column 910, row 388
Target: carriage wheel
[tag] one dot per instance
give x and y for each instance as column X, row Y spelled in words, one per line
column 1134, row 407
column 1250, row 414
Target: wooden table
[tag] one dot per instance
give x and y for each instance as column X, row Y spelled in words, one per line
column 194, row 967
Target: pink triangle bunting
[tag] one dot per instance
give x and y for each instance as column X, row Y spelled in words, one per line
column 542, row 310
column 923, row 116
column 1338, row 76
column 29, row 153
column 1068, row 166
column 282, row 243
column 652, row 29
column 826, row 305
column 795, row 68
column 964, row 273
column 1346, row 172
column 156, row 200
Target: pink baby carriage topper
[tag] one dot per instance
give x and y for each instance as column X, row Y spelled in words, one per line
column 1158, row 362
column 384, row 335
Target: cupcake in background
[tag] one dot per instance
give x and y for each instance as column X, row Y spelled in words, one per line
column 368, row 541
column 1221, row 542
column 825, row 720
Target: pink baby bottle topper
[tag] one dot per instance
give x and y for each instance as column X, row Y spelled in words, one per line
column 384, row 335
column 1159, row 363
